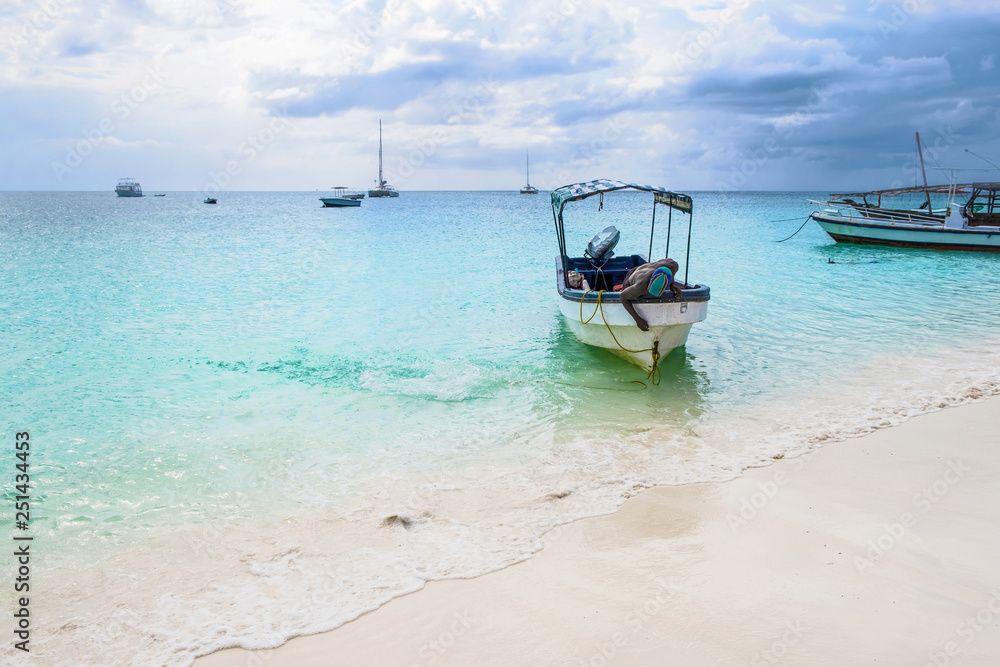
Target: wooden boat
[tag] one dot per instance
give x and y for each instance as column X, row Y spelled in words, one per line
column 974, row 225
column 383, row 189
column 596, row 315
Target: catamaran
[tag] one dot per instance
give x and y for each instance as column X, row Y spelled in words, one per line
column 587, row 283
column 528, row 188
column 383, row 189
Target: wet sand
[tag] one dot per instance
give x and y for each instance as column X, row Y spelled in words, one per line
column 881, row 550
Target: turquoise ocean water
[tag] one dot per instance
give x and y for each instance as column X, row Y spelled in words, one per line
column 263, row 418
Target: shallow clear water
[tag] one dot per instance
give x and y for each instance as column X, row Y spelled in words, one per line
column 254, row 389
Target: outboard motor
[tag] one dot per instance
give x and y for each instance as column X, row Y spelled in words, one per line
column 602, row 247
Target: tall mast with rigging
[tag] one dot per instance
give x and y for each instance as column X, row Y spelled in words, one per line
column 920, row 153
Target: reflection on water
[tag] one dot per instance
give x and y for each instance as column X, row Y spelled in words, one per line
column 603, row 390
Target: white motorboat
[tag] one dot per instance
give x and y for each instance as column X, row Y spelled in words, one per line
column 343, row 197
column 593, row 309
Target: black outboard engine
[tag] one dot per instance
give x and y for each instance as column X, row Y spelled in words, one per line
column 602, row 247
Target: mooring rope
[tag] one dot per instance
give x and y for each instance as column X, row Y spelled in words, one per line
column 654, row 374
column 808, row 218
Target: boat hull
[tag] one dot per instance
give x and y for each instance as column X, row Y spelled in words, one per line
column 128, row 193
column 859, row 232
column 339, row 202
column 383, row 193
column 609, row 326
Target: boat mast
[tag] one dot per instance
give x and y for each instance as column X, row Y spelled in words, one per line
column 380, row 181
column 920, row 152
column 527, row 170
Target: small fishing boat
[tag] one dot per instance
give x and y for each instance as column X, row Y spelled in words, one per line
column 159, row 195
column 343, row 198
column 210, row 200
column 528, row 188
column 974, row 225
column 383, row 189
column 586, row 283
column 128, row 187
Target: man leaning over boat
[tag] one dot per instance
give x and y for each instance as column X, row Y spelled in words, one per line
column 651, row 278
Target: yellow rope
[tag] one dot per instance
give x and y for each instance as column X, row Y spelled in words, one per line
column 654, row 374
column 642, row 385
column 596, row 308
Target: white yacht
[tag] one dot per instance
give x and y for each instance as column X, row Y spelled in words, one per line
column 128, row 187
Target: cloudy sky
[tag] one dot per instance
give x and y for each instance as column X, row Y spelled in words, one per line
column 287, row 95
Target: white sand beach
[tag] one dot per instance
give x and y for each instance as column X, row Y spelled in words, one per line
column 881, row 550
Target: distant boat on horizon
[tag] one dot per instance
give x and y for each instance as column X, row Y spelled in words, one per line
column 383, row 189
column 528, row 188
column 347, row 193
column 128, row 187
column 343, row 198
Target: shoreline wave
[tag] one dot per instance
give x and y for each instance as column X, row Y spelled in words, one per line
column 195, row 591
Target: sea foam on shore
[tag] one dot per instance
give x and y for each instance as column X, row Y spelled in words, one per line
column 204, row 588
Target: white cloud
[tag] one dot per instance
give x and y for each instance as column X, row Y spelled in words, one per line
column 705, row 81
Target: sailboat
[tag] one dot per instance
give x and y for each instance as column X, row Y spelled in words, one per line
column 528, row 188
column 383, row 189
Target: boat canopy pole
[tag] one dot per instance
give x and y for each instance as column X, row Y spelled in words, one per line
column 670, row 220
column 652, row 230
column 687, row 256
column 561, row 235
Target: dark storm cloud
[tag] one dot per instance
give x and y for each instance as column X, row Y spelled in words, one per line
column 930, row 73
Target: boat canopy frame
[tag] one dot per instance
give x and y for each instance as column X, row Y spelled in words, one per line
column 983, row 206
column 577, row 191
column 954, row 189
